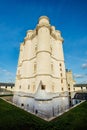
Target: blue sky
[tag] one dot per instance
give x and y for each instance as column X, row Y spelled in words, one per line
column 68, row 16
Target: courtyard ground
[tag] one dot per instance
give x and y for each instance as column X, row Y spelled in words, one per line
column 13, row 118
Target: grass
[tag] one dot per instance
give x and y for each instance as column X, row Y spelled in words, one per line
column 6, row 95
column 12, row 118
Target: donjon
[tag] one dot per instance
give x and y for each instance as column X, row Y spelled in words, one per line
column 40, row 85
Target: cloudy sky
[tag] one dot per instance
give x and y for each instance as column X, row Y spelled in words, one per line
column 68, row 16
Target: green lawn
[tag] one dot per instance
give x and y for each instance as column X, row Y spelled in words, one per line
column 6, row 95
column 12, row 118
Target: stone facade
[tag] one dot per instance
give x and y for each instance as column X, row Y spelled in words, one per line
column 41, row 86
column 70, row 83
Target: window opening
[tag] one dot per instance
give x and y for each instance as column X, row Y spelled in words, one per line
column 43, row 87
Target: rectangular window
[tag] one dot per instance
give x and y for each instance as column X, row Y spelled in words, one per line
column 61, row 74
column 22, row 104
column 43, row 87
column 51, row 49
column 18, row 72
column 35, row 67
column 20, row 87
column 52, row 67
column 35, row 49
column 69, row 85
column 60, row 64
column 28, row 86
column 69, row 89
column 61, row 80
column 62, row 89
column 60, row 69
column 69, row 93
column 33, row 87
column 53, row 88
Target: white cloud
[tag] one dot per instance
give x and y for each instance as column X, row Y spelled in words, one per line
column 84, row 82
column 84, row 66
column 5, row 72
column 79, row 76
column 6, row 76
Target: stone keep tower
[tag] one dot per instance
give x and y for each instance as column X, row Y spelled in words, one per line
column 40, row 85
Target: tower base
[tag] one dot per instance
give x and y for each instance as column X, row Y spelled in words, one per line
column 46, row 108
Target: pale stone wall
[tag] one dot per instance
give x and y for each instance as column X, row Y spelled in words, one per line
column 70, row 80
column 41, row 71
column 6, row 89
column 42, row 48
